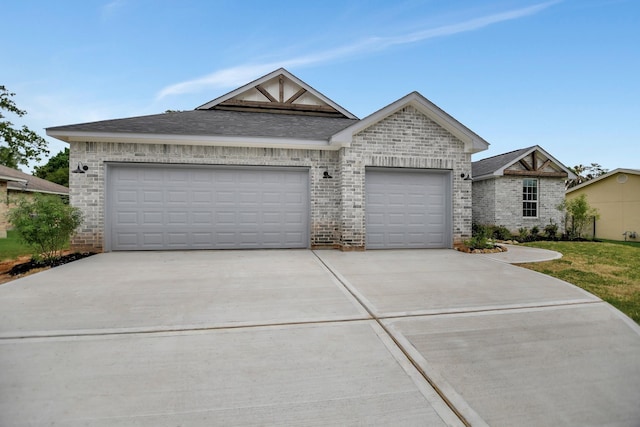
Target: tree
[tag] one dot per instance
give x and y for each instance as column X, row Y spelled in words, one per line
column 577, row 215
column 45, row 223
column 585, row 173
column 56, row 169
column 18, row 146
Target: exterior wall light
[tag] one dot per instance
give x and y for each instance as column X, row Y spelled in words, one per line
column 81, row 168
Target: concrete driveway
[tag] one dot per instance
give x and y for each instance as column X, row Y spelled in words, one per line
column 432, row 337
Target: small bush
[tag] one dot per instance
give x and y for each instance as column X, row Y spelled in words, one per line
column 523, row 234
column 500, row 232
column 551, row 231
column 480, row 239
column 534, row 234
column 577, row 214
column 45, row 223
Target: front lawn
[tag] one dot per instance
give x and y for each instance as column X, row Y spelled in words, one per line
column 609, row 270
column 12, row 248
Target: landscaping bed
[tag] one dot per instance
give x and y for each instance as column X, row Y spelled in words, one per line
column 25, row 265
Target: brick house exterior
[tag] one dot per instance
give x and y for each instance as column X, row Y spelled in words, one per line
column 279, row 123
column 15, row 184
column 499, row 197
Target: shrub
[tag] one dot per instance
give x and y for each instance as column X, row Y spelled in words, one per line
column 45, row 223
column 551, row 231
column 500, row 232
column 523, row 234
column 577, row 215
column 534, row 233
column 480, row 239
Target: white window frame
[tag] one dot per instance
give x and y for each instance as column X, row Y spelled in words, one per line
column 530, row 198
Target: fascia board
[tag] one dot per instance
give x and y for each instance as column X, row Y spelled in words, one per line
column 226, row 141
column 11, row 179
column 483, row 177
column 31, row 190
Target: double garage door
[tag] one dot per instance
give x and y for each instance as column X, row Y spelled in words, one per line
column 165, row 207
column 155, row 207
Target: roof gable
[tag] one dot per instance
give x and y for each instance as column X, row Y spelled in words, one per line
column 278, row 92
column 605, row 176
column 472, row 142
column 530, row 161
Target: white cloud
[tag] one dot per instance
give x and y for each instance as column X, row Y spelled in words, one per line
column 110, row 9
column 235, row 76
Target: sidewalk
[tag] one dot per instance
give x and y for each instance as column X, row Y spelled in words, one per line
column 522, row 254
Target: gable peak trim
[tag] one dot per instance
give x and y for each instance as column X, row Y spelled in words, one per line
column 473, row 143
column 276, row 100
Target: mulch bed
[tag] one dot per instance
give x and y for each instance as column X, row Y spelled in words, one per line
column 495, row 249
column 23, row 266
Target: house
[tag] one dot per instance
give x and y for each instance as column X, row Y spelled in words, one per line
column 616, row 196
column 519, row 189
column 15, row 184
column 274, row 164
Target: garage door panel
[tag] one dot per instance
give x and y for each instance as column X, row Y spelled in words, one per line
column 407, row 208
column 127, row 218
column 127, row 196
column 206, row 208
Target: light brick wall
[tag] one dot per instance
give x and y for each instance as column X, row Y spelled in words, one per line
column 405, row 139
column 484, row 201
column 508, row 206
column 4, row 207
column 88, row 191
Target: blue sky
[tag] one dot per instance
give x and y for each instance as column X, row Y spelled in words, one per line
column 560, row 74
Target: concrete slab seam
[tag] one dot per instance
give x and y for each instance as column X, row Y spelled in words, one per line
column 482, row 309
column 367, row 306
column 462, row 407
column 186, row 328
column 430, row 394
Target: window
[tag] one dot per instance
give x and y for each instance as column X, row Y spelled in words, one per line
column 530, row 198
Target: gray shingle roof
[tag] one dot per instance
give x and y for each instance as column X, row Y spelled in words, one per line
column 491, row 164
column 220, row 123
column 33, row 184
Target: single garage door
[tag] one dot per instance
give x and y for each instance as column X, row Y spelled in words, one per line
column 408, row 208
column 156, row 207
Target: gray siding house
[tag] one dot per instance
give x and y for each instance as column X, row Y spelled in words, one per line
column 274, row 164
column 519, row 189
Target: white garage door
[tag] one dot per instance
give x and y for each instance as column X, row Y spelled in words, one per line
column 408, row 208
column 156, row 207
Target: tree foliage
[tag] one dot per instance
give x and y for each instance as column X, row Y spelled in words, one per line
column 45, row 223
column 585, row 173
column 17, row 146
column 56, row 169
column 577, row 215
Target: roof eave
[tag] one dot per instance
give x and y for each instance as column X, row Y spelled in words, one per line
column 33, row 190
column 205, row 140
column 11, row 179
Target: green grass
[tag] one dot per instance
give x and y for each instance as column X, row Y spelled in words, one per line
column 11, row 247
column 609, row 270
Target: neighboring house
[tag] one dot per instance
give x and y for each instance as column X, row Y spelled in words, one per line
column 15, row 184
column 616, row 196
column 519, row 189
column 274, row 164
